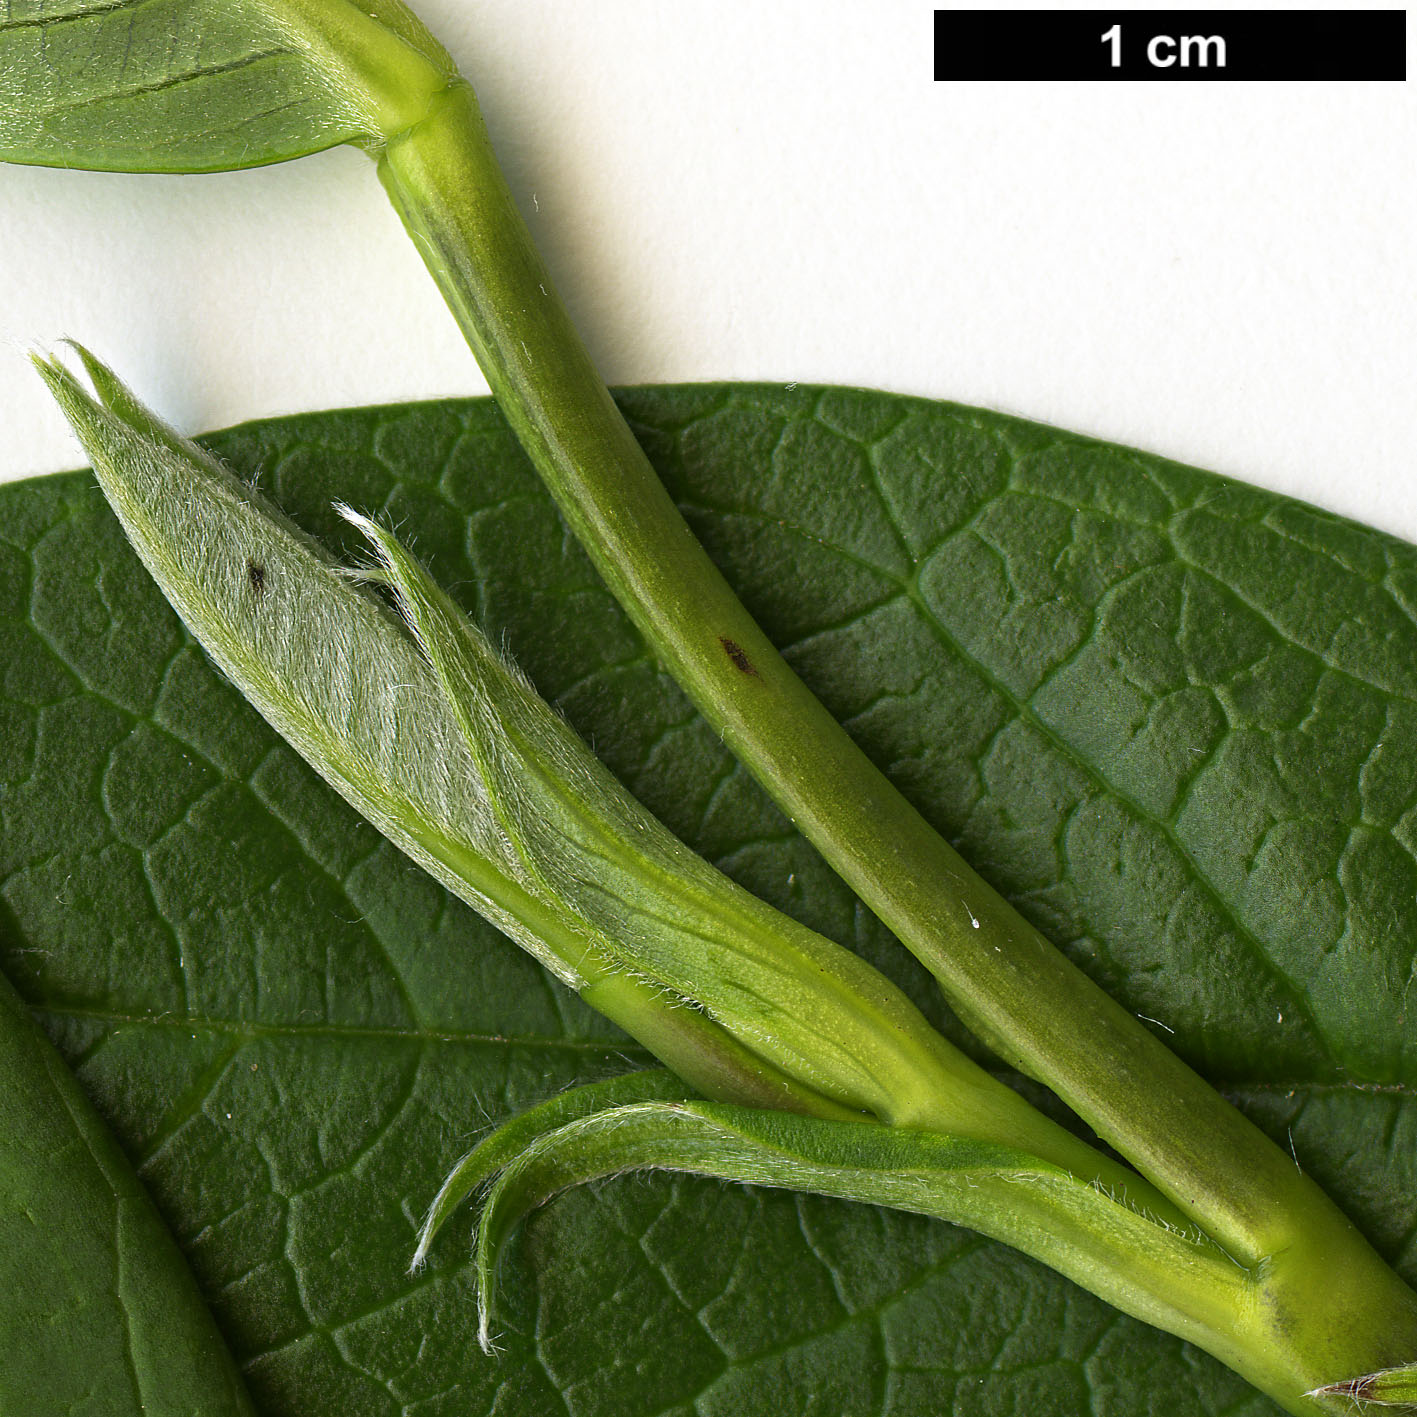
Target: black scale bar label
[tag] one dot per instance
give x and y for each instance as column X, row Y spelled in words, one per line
column 1171, row 44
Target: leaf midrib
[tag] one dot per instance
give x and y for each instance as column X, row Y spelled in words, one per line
column 256, row 1031
column 627, row 1048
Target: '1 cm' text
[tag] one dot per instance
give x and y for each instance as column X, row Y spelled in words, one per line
column 1165, row 51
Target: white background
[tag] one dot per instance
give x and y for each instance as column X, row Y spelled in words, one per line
column 776, row 189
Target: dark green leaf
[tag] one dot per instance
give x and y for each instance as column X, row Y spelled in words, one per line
column 100, row 1316
column 1171, row 717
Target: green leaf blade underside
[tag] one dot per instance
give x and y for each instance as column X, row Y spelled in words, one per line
column 222, row 89
column 206, row 85
column 295, row 1034
column 101, row 1316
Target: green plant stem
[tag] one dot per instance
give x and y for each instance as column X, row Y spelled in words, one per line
column 1330, row 1305
column 1022, row 996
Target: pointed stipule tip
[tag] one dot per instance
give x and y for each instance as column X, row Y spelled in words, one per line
column 63, row 384
column 98, row 372
column 356, row 519
column 46, row 365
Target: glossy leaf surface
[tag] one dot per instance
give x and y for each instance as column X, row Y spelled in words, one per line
column 1170, row 716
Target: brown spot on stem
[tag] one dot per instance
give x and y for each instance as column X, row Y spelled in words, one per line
column 735, row 652
column 1358, row 1388
column 257, row 576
